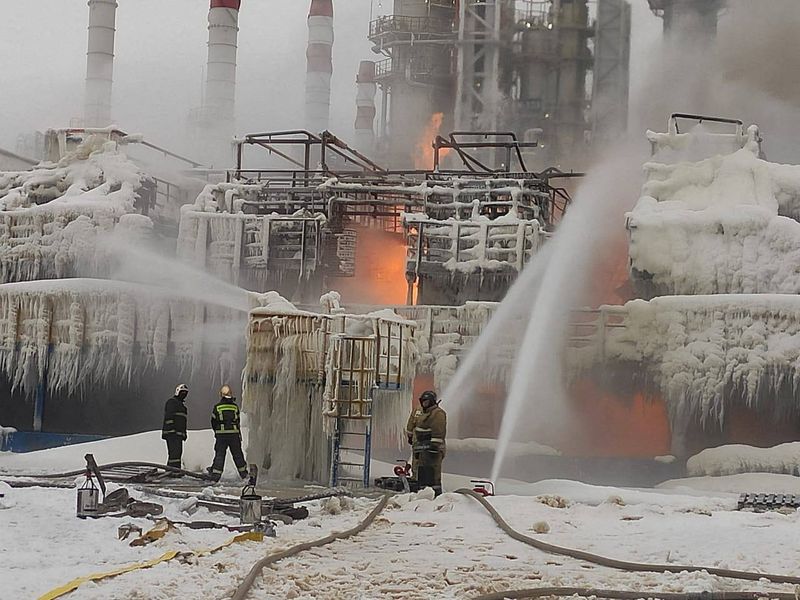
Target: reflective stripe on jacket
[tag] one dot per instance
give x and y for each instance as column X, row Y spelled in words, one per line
column 225, row 417
column 175, row 416
column 428, row 430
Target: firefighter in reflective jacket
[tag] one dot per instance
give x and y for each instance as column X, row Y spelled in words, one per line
column 227, row 434
column 173, row 431
column 426, row 430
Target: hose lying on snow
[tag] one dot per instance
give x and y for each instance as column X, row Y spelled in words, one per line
column 249, row 580
column 620, row 564
column 628, row 595
column 112, row 477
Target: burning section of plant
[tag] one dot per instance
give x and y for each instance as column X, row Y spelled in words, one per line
column 423, row 157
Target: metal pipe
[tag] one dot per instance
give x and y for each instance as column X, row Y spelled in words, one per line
column 100, row 63
column 319, row 65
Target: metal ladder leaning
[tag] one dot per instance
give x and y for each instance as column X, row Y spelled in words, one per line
column 351, row 441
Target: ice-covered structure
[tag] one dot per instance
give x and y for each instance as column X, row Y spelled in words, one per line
column 715, row 218
column 468, row 232
column 312, row 378
column 110, row 347
column 714, row 245
column 74, row 332
column 54, row 216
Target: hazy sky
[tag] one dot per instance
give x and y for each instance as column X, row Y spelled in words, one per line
column 161, row 52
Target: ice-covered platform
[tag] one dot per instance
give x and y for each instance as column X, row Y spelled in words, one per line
column 59, row 335
column 715, row 217
column 704, row 355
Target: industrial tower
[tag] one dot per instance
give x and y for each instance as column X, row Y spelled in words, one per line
column 547, row 70
column 688, row 17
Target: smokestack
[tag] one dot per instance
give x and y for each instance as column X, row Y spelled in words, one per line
column 220, row 93
column 100, row 63
column 319, row 65
column 365, row 107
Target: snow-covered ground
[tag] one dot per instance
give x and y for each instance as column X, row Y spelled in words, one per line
column 418, row 548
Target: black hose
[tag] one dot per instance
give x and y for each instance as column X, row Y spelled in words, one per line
column 629, row 595
column 249, row 580
column 620, row 564
column 77, row 472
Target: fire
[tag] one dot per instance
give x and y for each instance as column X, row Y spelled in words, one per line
column 380, row 276
column 615, row 424
column 423, row 158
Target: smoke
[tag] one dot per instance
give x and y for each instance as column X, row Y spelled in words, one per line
column 160, row 57
column 746, row 73
column 736, row 75
column 525, row 340
column 135, row 263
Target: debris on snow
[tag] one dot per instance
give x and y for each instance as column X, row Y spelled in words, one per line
column 552, row 501
column 540, row 527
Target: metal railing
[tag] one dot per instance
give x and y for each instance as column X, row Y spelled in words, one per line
column 398, row 24
column 471, row 245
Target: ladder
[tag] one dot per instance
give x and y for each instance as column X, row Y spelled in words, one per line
column 351, row 450
column 354, row 374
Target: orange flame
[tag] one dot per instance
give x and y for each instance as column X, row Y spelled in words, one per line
column 380, row 276
column 423, row 158
column 615, row 424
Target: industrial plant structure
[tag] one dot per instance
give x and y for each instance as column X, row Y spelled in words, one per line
column 420, row 232
column 545, row 70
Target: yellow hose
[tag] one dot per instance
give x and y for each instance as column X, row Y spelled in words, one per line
column 167, row 556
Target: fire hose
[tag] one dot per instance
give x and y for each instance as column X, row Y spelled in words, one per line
column 244, row 588
column 564, row 592
column 621, row 564
column 111, row 466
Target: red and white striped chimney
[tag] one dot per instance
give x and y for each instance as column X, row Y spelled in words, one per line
column 319, row 65
column 220, row 93
column 100, row 63
column 365, row 107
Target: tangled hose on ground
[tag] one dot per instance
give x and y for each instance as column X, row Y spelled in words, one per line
column 564, row 592
column 249, row 580
column 621, row 564
column 76, row 472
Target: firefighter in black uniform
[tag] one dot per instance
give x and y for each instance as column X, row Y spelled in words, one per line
column 227, row 434
column 173, row 431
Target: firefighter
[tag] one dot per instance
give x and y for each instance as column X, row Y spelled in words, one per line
column 173, row 431
column 426, row 430
column 227, row 434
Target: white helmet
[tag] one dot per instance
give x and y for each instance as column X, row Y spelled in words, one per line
column 181, row 388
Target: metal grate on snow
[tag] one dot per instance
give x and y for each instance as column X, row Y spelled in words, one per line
column 763, row 502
